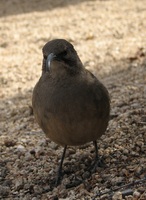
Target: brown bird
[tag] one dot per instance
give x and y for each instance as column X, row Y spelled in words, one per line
column 70, row 104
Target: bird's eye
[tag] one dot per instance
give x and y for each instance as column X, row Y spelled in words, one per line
column 45, row 57
column 62, row 54
column 65, row 53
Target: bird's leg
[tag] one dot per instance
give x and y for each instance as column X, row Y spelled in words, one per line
column 96, row 150
column 98, row 161
column 59, row 173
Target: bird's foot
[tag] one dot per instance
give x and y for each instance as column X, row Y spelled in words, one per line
column 74, row 183
column 98, row 162
column 59, row 178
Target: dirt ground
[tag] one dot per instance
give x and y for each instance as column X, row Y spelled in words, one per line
column 110, row 38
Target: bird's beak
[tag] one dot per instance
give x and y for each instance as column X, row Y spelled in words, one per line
column 50, row 57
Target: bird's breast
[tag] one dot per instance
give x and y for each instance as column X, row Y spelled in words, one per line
column 68, row 113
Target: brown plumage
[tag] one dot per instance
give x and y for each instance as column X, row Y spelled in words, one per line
column 71, row 106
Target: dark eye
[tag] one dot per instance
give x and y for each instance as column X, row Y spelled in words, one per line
column 45, row 57
column 63, row 54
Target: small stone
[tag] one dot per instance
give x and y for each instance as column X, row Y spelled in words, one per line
column 19, row 183
column 104, row 196
column 139, row 170
column 64, row 199
column 23, row 140
column 124, row 157
column 42, row 142
column 141, row 189
column 39, row 152
column 53, row 145
column 20, row 148
column 4, row 191
column 72, row 151
column 89, row 36
column 3, row 172
column 37, row 189
column 117, row 180
column 125, row 172
column 7, row 183
column 143, row 118
column 32, row 151
column 4, row 45
column 117, row 196
column 28, row 156
column 86, row 175
column 135, row 105
column 136, row 195
column 130, row 197
column 34, row 198
column 125, row 151
column 9, row 143
column 127, row 192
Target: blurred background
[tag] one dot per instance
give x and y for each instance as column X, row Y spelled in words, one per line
column 103, row 32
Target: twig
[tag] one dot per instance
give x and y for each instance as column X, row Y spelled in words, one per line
column 120, row 187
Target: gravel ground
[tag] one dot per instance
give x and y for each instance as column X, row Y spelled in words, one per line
column 110, row 39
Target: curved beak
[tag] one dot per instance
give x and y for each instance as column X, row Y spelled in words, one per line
column 50, row 57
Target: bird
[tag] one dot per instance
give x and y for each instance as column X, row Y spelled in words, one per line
column 70, row 104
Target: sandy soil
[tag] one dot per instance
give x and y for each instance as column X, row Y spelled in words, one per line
column 110, row 38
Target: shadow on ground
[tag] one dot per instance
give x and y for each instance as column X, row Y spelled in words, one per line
column 14, row 7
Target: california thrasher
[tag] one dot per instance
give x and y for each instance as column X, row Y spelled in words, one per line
column 70, row 104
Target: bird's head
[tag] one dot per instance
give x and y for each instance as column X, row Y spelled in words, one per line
column 59, row 56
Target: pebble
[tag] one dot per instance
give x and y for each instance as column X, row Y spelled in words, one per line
column 86, row 175
column 117, row 196
column 127, row 192
column 34, row 198
column 39, row 152
column 130, row 197
column 42, row 142
column 37, row 189
column 20, row 148
column 117, row 180
column 4, row 191
column 53, row 145
column 9, row 143
column 28, row 156
column 23, row 140
column 136, row 195
column 19, row 183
